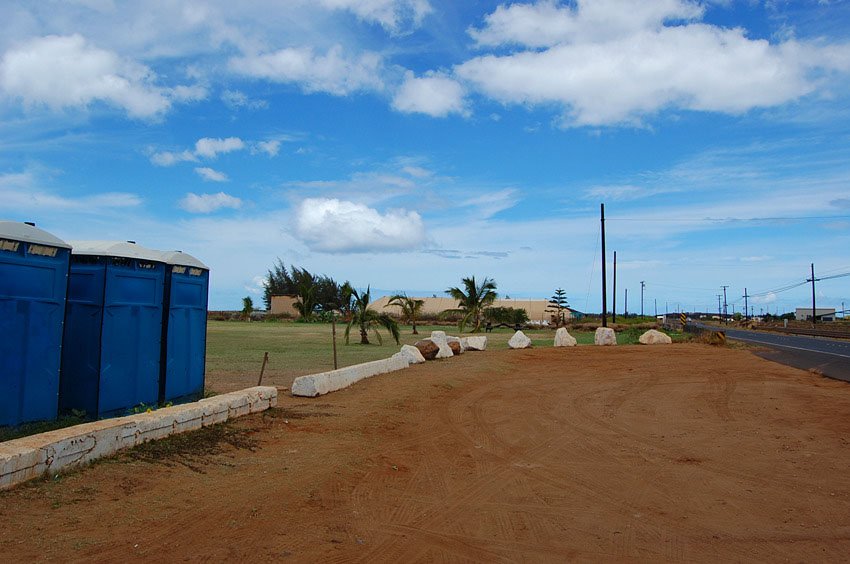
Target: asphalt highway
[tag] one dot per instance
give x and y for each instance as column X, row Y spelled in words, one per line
column 830, row 357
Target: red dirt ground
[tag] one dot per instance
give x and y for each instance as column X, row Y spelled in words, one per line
column 631, row 453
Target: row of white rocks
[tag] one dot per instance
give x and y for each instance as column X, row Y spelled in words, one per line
column 325, row 382
column 605, row 336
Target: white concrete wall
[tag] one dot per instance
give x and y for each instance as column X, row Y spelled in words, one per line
column 31, row 457
column 325, row 382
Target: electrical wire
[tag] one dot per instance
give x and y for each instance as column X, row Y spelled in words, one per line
column 592, row 268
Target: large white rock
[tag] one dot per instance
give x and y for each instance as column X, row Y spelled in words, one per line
column 564, row 339
column 653, row 337
column 519, row 341
column 475, row 343
column 439, row 339
column 605, row 336
column 412, row 354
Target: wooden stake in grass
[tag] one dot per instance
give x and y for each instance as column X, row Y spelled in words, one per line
column 333, row 332
column 263, row 369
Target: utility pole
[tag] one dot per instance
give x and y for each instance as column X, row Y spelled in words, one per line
column 725, row 313
column 642, row 285
column 626, row 308
column 814, row 309
column 614, row 293
column 745, row 304
column 720, row 306
column 656, row 308
column 604, row 281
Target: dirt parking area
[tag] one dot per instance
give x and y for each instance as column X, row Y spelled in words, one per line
column 684, row 452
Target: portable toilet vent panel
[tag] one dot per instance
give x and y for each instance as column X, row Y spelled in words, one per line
column 33, row 285
column 184, row 328
column 113, row 328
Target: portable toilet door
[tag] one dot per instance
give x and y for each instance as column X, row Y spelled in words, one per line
column 33, row 285
column 184, row 328
column 113, row 328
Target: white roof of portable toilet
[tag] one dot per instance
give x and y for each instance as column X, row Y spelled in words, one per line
column 179, row 258
column 24, row 232
column 123, row 249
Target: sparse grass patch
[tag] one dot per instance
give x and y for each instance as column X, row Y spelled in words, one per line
column 195, row 448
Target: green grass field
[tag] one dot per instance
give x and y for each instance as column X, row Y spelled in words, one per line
column 235, row 347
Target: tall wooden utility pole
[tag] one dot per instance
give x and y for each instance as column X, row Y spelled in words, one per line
column 814, row 309
column 604, row 275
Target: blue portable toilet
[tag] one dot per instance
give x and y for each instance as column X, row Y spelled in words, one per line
column 113, row 328
column 184, row 328
column 33, row 285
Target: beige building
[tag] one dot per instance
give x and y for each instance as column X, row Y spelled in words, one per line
column 536, row 309
column 284, row 305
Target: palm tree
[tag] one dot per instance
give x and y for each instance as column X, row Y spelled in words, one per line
column 473, row 301
column 410, row 308
column 366, row 319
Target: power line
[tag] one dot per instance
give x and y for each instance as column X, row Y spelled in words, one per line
column 726, row 219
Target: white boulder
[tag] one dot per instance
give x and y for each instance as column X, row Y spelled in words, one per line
column 439, row 339
column 411, row 354
column 605, row 336
column 476, row 343
column 519, row 341
column 564, row 339
column 653, row 337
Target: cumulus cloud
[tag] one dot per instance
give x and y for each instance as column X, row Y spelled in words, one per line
column 271, row 148
column 545, row 24
column 392, row 15
column 66, row 71
column 208, row 203
column 336, row 72
column 614, row 62
column 211, row 175
column 169, row 158
column 434, row 94
column 206, row 147
column 338, row 226
column 211, row 148
column 237, row 99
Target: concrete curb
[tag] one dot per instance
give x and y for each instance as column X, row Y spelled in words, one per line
column 326, row 382
column 31, row 457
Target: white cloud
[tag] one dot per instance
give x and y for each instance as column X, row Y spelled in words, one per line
column 624, row 192
column 237, row 99
column 66, row 71
column 271, row 148
column 337, row 72
column 206, row 147
column 168, row 158
column 210, row 174
column 338, row 226
column 416, row 171
column 207, row 203
column 613, row 62
column 210, row 148
column 545, row 23
column 489, row 204
column 21, row 192
column 393, row 15
column 433, row 94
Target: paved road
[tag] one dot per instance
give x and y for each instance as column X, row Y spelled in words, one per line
column 829, row 357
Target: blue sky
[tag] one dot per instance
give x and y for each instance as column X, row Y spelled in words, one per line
column 408, row 143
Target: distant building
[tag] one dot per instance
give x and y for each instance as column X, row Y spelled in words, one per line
column 284, row 305
column 536, row 309
column 823, row 314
